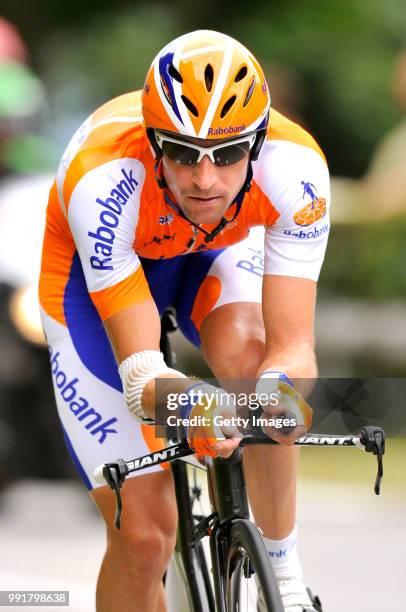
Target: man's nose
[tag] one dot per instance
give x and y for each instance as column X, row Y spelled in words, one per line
column 204, row 174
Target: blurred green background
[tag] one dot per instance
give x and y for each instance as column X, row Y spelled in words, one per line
column 333, row 66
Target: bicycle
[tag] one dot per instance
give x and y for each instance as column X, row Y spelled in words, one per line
column 242, row 574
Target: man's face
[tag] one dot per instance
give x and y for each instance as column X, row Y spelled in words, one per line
column 204, row 191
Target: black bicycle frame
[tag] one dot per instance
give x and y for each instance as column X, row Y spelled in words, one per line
column 186, row 540
column 225, row 476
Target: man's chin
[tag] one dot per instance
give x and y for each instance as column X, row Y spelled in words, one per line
column 205, row 217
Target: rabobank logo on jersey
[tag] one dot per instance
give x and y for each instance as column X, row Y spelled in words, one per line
column 314, row 210
column 255, row 263
column 316, row 232
column 166, row 219
column 111, row 210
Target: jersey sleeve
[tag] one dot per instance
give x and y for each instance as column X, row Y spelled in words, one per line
column 296, row 181
column 103, row 214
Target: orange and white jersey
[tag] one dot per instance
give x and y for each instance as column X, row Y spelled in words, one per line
column 106, row 206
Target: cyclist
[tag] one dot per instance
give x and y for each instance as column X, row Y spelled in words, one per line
column 188, row 193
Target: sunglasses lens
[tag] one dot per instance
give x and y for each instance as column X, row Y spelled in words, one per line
column 231, row 154
column 182, row 154
column 188, row 155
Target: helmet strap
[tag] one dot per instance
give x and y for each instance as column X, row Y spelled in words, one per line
column 159, row 174
column 261, row 135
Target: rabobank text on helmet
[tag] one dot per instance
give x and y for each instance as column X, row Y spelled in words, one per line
column 232, row 129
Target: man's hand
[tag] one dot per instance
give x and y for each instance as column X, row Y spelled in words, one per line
column 289, row 415
column 204, row 435
column 203, row 439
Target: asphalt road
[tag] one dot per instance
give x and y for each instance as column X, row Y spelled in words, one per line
column 352, row 543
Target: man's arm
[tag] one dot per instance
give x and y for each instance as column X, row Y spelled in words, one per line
column 134, row 329
column 288, row 310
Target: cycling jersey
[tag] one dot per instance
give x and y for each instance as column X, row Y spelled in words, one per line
column 112, row 240
column 106, row 206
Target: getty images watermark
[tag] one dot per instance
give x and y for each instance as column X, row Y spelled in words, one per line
column 223, row 402
column 342, row 405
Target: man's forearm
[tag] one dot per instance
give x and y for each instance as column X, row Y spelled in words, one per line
column 296, row 360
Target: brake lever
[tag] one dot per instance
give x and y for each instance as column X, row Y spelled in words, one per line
column 373, row 439
column 115, row 474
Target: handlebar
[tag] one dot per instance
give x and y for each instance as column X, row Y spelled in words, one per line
column 371, row 439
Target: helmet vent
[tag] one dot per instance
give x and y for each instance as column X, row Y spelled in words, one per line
column 190, row 106
column 241, row 74
column 227, row 106
column 174, row 73
column 209, row 76
column 249, row 92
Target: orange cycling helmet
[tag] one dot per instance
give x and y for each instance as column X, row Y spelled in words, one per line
column 206, row 85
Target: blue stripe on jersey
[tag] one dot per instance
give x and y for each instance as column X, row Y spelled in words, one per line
column 176, row 281
column 196, row 270
column 86, row 329
column 165, row 279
